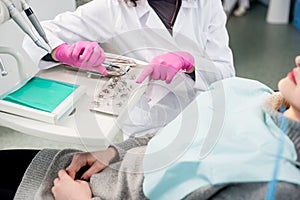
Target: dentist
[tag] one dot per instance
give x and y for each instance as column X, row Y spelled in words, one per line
column 171, row 35
column 142, row 29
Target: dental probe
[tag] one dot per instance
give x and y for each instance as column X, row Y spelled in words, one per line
column 35, row 22
column 17, row 17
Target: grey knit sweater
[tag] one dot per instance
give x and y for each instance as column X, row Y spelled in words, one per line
column 124, row 178
column 271, row 107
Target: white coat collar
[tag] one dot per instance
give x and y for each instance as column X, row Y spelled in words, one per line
column 143, row 7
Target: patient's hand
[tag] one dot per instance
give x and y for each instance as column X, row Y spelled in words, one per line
column 67, row 188
column 95, row 161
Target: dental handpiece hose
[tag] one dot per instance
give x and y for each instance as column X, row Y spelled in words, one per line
column 33, row 19
column 17, row 17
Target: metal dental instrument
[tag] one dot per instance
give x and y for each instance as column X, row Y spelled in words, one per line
column 17, row 17
column 34, row 21
column 2, row 69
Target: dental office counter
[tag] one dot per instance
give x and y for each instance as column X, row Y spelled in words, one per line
column 91, row 129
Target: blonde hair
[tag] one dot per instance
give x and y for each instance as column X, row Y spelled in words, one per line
column 276, row 100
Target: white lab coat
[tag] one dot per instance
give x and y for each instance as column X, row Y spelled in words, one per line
column 138, row 32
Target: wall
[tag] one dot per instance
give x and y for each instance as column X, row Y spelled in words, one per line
column 266, row 2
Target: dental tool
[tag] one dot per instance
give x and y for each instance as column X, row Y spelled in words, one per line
column 34, row 21
column 17, row 17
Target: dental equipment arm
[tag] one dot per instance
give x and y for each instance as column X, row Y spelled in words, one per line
column 33, row 19
column 4, row 14
column 2, row 69
column 17, row 17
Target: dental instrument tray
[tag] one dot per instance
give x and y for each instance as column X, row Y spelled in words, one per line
column 115, row 65
column 43, row 100
column 119, row 93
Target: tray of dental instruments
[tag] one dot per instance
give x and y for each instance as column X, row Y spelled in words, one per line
column 120, row 91
column 115, row 65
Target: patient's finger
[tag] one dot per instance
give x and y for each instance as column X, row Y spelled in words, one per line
column 92, row 170
column 62, row 174
column 75, row 165
column 55, row 181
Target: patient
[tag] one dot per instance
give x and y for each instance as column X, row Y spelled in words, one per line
column 237, row 160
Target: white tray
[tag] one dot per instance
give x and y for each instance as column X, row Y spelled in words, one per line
column 62, row 110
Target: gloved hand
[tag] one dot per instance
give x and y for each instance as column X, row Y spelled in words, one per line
column 4, row 14
column 83, row 55
column 165, row 66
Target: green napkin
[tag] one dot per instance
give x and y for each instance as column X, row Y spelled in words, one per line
column 41, row 94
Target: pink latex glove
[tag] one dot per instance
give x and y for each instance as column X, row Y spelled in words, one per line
column 165, row 66
column 83, row 55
